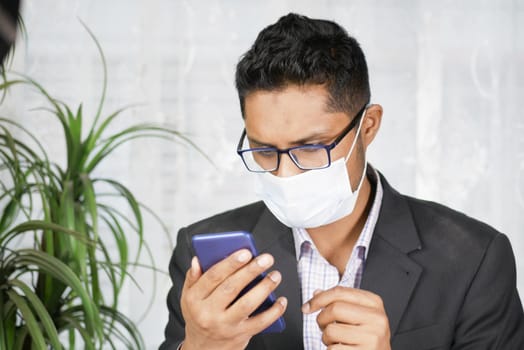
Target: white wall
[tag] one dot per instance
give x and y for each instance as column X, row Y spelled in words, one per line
column 449, row 75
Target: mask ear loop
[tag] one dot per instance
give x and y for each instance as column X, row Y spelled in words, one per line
column 365, row 155
column 356, row 135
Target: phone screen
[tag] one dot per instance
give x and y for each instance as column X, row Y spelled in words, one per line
column 211, row 248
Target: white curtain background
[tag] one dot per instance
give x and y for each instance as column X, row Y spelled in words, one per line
column 449, row 75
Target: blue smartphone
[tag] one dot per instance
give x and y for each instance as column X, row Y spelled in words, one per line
column 211, row 248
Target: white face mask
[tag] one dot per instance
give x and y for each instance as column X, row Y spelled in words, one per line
column 313, row 198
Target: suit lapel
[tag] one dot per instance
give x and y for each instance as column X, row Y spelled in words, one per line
column 274, row 238
column 390, row 272
column 393, row 276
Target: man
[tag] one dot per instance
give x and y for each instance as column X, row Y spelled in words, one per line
column 355, row 264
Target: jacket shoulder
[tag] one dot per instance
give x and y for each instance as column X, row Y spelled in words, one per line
column 427, row 213
column 453, row 233
column 242, row 218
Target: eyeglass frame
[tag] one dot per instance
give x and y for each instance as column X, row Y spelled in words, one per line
column 287, row 151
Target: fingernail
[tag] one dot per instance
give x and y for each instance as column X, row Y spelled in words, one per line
column 243, row 256
column 263, row 261
column 305, row 308
column 283, row 302
column 275, row 276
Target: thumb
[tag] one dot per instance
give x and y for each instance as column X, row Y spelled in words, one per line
column 193, row 273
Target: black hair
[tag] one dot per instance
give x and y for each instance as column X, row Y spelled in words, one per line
column 9, row 16
column 300, row 50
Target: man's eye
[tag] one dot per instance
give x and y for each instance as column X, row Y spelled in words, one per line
column 312, row 149
column 266, row 154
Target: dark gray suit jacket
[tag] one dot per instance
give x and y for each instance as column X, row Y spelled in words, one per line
column 447, row 280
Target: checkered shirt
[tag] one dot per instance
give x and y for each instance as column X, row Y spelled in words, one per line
column 315, row 272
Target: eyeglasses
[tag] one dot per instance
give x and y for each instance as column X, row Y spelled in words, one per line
column 305, row 157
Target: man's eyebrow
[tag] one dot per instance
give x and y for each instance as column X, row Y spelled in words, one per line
column 313, row 138
column 259, row 143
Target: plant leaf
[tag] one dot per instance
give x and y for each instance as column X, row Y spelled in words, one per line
column 34, row 225
column 41, row 312
column 30, row 320
column 104, row 75
column 63, row 273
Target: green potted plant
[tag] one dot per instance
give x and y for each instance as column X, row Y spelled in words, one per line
column 56, row 226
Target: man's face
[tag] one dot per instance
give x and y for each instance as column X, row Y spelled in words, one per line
column 298, row 115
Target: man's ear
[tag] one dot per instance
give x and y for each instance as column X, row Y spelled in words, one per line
column 371, row 124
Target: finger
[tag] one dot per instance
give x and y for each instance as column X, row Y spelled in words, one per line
column 345, row 313
column 340, row 334
column 365, row 326
column 255, row 297
column 213, row 277
column 229, row 290
column 338, row 293
column 192, row 274
column 261, row 321
column 342, row 347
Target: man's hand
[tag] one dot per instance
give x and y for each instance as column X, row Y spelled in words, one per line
column 212, row 321
column 350, row 319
